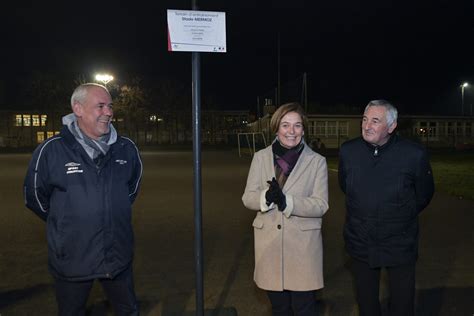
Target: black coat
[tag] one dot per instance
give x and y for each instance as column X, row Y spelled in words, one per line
column 87, row 207
column 386, row 188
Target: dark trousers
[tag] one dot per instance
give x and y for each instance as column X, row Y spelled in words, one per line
column 72, row 296
column 289, row 303
column 401, row 284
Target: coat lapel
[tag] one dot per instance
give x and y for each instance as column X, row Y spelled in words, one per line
column 300, row 168
column 268, row 164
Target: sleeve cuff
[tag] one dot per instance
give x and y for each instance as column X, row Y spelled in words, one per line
column 263, row 203
column 289, row 206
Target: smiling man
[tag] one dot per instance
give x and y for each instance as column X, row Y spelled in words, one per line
column 378, row 124
column 83, row 182
column 92, row 107
column 388, row 182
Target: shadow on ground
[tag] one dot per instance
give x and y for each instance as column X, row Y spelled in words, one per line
column 16, row 296
column 153, row 308
column 445, row 301
column 430, row 302
column 454, row 301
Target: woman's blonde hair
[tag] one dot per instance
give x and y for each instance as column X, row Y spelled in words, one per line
column 285, row 109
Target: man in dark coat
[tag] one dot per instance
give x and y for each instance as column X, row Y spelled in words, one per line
column 83, row 182
column 387, row 181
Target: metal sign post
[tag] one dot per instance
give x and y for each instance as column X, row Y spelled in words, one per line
column 197, row 31
column 196, row 91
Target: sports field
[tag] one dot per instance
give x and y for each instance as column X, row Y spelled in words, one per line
column 453, row 172
column 164, row 238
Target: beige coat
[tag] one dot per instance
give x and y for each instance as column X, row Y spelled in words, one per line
column 288, row 245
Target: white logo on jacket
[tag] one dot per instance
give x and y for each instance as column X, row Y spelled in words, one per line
column 73, row 167
column 120, row 161
column 72, row 164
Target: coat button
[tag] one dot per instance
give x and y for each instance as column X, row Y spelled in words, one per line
column 279, row 226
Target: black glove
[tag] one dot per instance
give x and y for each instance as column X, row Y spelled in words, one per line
column 272, row 193
column 275, row 195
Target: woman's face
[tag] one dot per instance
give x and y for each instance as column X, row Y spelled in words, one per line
column 290, row 130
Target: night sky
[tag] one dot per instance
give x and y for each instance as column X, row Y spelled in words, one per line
column 413, row 53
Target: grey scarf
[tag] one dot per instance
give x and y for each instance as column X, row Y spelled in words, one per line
column 92, row 147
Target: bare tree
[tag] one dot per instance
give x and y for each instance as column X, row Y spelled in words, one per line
column 170, row 103
column 131, row 107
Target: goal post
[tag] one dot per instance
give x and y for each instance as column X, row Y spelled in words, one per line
column 250, row 139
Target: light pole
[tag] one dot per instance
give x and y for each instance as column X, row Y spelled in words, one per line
column 104, row 78
column 464, row 85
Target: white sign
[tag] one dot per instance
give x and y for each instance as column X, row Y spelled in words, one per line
column 196, row 31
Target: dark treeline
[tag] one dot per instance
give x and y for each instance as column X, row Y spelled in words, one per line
column 148, row 109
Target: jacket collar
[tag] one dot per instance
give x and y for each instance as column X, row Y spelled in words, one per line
column 72, row 142
column 69, row 138
column 378, row 150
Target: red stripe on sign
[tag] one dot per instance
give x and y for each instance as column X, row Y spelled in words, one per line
column 169, row 41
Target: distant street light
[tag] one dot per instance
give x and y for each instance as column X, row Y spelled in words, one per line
column 104, row 78
column 464, row 85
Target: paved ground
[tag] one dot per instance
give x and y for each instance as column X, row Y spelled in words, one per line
column 164, row 265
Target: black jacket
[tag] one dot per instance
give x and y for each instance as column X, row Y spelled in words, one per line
column 386, row 188
column 87, row 207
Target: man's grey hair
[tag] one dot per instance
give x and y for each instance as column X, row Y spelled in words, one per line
column 392, row 113
column 80, row 93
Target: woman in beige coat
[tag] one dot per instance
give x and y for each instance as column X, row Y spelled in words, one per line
column 287, row 186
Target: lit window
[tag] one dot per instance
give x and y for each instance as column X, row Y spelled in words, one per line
column 18, row 120
column 450, row 128
column 56, row 132
column 459, row 128
column 49, row 134
column 343, row 129
column 39, row 137
column 320, row 128
column 423, row 128
column 311, row 127
column 432, row 129
column 152, row 118
column 442, row 128
column 332, row 130
column 468, row 128
column 36, row 120
column 26, row 120
column 44, row 119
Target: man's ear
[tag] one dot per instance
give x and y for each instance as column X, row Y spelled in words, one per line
column 77, row 109
column 392, row 127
